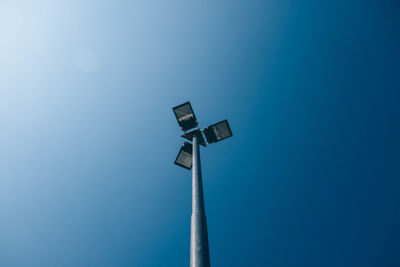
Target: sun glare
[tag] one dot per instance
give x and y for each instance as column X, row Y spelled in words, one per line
column 19, row 28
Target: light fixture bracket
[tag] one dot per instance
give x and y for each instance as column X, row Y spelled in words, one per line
column 196, row 132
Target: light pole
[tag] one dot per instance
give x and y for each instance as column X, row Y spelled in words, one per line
column 188, row 157
column 199, row 251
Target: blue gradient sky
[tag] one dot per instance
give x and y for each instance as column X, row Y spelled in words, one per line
column 88, row 137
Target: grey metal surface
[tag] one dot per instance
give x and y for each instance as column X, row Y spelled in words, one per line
column 189, row 136
column 199, row 250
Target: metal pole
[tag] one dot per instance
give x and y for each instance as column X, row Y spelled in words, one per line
column 199, row 251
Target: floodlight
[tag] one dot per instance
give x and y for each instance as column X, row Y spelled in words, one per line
column 184, row 158
column 217, row 132
column 185, row 116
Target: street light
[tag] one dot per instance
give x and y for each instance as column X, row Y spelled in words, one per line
column 188, row 157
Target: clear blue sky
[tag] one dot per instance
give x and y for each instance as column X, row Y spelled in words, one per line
column 88, row 138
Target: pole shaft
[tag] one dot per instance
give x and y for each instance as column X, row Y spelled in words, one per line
column 199, row 251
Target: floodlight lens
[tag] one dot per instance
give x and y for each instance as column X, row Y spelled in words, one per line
column 184, row 158
column 221, row 130
column 184, row 113
column 218, row 132
column 185, row 116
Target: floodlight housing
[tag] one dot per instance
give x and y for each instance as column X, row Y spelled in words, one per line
column 195, row 132
column 217, row 132
column 184, row 158
column 185, row 116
